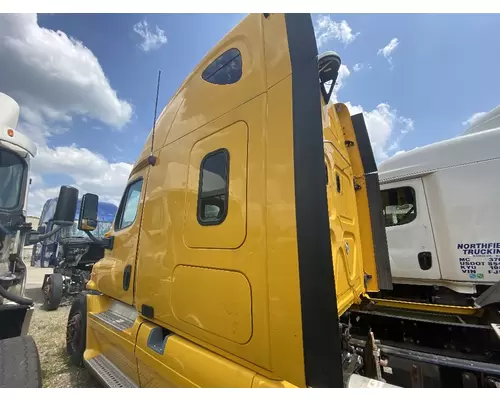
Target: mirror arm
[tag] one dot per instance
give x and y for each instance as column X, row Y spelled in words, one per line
column 37, row 238
column 327, row 95
column 107, row 243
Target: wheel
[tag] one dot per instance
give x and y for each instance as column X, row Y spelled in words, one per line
column 53, row 292
column 19, row 363
column 76, row 330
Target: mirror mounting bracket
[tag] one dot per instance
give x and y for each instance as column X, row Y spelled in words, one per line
column 36, row 237
column 329, row 64
column 152, row 160
column 107, row 243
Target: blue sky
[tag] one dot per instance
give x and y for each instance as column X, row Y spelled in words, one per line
column 86, row 82
column 133, row 72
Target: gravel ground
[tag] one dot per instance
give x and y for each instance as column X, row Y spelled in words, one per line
column 48, row 328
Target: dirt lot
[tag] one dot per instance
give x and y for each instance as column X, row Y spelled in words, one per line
column 49, row 331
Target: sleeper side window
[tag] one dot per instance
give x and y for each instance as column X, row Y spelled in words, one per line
column 128, row 206
column 225, row 70
column 400, row 206
column 213, row 188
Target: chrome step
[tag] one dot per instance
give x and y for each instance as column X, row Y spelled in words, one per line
column 117, row 321
column 106, row 372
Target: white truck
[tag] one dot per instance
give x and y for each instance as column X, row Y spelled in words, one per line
column 19, row 362
column 441, row 208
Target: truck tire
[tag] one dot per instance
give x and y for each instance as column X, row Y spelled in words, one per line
column 76, row 330
column 19, row 363
column 54, row 293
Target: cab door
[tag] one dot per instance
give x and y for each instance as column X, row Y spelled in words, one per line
column 412, row 249
column 115, row 273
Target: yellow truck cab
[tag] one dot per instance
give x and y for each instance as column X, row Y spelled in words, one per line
column 248, row 235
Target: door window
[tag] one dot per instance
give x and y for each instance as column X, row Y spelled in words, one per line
column 400, row 206
column 128, row 207
column 213, row 190
column 225, row 70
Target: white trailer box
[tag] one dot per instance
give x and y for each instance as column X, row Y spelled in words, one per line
column 442, row 210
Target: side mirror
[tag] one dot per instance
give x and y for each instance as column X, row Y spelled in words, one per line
column 66, row 206
column 329, row 65
column 87, row 220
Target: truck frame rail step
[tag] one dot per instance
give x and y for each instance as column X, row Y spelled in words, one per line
column 115, row 320
column 106, row 372
column 418, row 306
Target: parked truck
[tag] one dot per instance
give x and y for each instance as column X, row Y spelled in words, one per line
column 249, row 247
column 44, row 255
column 70, row 253
column 19, row 362
column 441, row 215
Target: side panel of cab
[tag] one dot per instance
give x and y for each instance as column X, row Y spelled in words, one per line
column 253, row 284
column 359, row 246
column 202, row 268
column 343, row 215
column 373, row 240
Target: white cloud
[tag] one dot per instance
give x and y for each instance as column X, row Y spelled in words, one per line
column 37, row 198
column 389, row 49
column 385, row 127
column 54, row 77
column 474, row 118
column 88, row 172
column 327, row 29
column 344, row 73
column 150, row 40
column 357, row 67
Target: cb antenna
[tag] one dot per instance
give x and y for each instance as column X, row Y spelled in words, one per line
column 152, row 158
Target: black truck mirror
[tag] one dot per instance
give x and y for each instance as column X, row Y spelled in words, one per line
column 66, row 206
column 87, row 220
